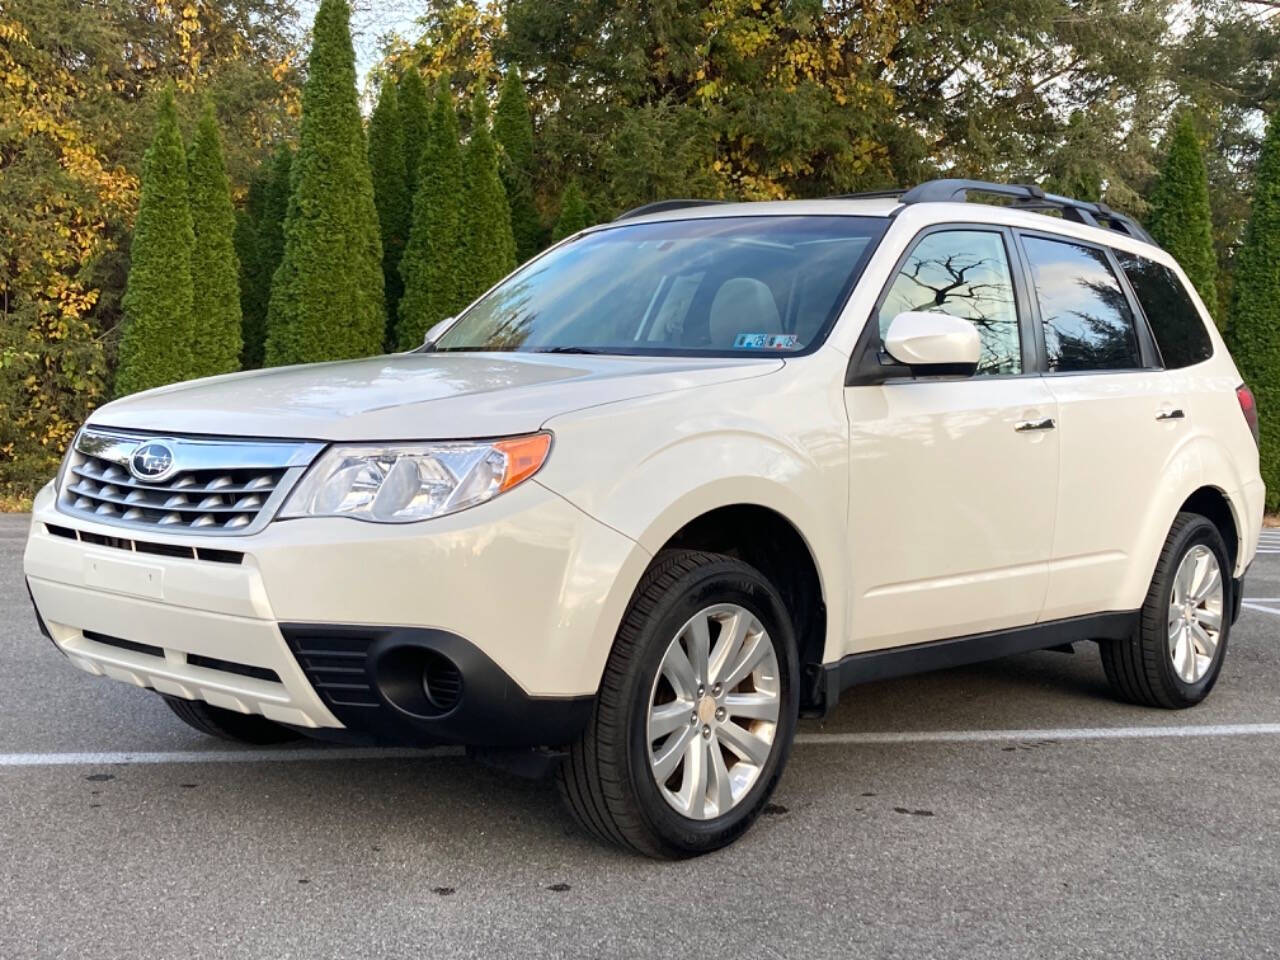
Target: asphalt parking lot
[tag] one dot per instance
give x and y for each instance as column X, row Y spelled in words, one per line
column 1006, row 810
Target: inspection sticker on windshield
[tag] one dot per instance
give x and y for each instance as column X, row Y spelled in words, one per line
column 765, row 341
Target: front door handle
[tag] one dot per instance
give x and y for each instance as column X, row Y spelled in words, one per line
column 1026, row 426
column 1174, row 414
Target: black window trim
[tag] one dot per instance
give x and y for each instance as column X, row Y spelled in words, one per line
column 1133, row 297
column 869, row 365
column 1148, row 353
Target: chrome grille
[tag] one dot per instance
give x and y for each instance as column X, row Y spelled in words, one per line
column 212, row 486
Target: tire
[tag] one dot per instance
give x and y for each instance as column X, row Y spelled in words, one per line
column 1145, row 668
column 227, row 724
column 610, row 781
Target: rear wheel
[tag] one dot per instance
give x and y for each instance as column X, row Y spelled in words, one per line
column 696, row 712
column 1174, row 658
column 227, row 724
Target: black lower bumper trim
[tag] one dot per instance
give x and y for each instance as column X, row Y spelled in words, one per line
column 415, row 686
column 44, row 627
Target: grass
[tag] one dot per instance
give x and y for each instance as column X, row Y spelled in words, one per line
column 14, row 504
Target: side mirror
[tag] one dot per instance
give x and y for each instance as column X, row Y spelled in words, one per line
column 933, row 344
column 434, row 331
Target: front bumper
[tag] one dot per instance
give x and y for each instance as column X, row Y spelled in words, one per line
column 330, row 623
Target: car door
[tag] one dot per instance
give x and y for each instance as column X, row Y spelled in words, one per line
column 953, row 480
column 1116, row 421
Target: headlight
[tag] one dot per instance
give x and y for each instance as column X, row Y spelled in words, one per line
column 401, row 483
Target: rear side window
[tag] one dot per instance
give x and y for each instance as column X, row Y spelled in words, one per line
column 1087, row 321
column 1171, row 313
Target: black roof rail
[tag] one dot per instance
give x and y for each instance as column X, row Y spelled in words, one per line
column 661, row 206
column 1028, row 196
column 889, row 193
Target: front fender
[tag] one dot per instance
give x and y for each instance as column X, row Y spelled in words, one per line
column 647, row 468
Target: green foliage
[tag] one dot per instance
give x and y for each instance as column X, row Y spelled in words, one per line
column 513, row 130
column 391, row 194
column 1181, row 220
column 574, row 214
column 415, row 116
column 433, row 260
column 267, row 213
column 215, row 313
column 1254, row 330
column 155, row 348
column 489, row 248
column 326, row 297
column 245, row 240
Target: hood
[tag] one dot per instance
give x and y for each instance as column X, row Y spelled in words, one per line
column 415, row 396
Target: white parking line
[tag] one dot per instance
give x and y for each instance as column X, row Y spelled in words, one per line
column 314, row 754
column 1274, row 611
column 222, row 756
column 1035, row 735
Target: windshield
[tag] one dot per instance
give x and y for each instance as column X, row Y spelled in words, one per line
column 729, row 286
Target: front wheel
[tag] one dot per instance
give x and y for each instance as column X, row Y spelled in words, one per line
column 1174, row 658
column 227, row 724
column 696, row 712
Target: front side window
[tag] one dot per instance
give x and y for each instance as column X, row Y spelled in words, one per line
column 722, row 286
column 964, row 273
column 1087, row 321
column 1172, row 315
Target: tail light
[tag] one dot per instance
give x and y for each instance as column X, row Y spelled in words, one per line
column 1249, row 407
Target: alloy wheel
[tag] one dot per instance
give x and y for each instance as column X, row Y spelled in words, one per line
column 1195, row 613
column 713, row 711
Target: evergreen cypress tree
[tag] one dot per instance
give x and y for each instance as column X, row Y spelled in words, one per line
column 268, row 247
column 574, row 213
column 215, row 313
column 1181, row 220
column 489, row 248
column 155, row 347
column 390, row 193
column 433, row 259
column 326, row 297
column 415, row 117
column 513, row 129
column 248, row 221
column 1254, row 331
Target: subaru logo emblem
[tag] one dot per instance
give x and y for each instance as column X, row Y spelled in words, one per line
column 151, row 461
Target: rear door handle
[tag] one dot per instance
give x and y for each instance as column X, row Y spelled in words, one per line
column 1026, row 426
column 1174, row 414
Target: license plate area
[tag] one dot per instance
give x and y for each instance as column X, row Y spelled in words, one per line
column 124, row 576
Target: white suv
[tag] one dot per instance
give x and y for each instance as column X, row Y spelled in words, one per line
column 674, row 483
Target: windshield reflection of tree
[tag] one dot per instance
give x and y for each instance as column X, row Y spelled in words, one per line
column 1097, row 337
column 977, row 289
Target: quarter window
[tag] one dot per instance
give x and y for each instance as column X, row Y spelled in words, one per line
column 964, row 273
column 1171, row 313
column 1087, row 321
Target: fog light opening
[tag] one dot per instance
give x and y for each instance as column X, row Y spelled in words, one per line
column 441, row 682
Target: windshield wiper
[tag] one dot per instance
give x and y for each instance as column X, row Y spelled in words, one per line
column 568, row 350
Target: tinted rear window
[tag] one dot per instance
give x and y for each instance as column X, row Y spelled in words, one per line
column 1171, row 313
column 1087, row 321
